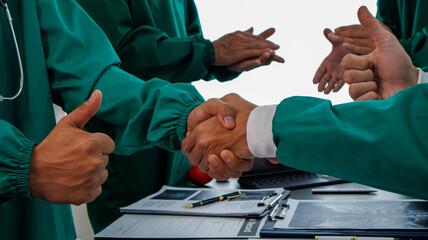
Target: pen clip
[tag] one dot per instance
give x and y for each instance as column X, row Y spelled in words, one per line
column 234, row 196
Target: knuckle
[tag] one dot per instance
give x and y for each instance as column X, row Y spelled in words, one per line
column 353, row 91
column 347, row 77
column 90, row 144
column 346, row 60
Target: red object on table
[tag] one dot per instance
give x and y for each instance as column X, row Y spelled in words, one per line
column 197, row 177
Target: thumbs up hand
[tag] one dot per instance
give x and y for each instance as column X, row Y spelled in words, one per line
column 382, row 73
column 69, row 165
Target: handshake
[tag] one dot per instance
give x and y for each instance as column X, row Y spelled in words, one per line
column 216, row 139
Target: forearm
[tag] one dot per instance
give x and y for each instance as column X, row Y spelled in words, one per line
column 377, row 143
column 15, row 157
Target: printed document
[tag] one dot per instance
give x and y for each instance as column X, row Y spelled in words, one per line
column 182, row 227
column 172, row 200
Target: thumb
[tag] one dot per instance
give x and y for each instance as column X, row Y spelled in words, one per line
column 267, row 33
column 327, row 34
column 374, row 27
column 81, row 115
column 250, row 30
column 212, row 107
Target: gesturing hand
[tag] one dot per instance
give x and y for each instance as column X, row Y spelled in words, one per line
column 263, row 60
column 384, row 72
column 69, row 165
column 355, row 38
column 210, row 137
column 329, row 75
column 243, row 51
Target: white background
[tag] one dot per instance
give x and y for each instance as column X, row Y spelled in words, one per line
column 299, row 31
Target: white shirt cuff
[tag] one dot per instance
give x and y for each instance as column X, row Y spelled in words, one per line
column 423, row 77
column 259, row 132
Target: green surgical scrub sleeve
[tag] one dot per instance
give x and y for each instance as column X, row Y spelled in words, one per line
column 65, row 57
column 158, row 39
column 380, row 143
column 408, row 20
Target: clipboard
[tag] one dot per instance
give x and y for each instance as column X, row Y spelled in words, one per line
column 395, row 219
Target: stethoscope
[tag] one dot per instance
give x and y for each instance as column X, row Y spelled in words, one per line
column 21, row 78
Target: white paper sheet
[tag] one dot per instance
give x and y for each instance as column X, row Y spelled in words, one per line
column 183, row 227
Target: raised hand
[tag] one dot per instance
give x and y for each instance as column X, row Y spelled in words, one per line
column 69, row 165
column 385, row 71
column 329, row 75
column 265, row 59
column 210, row 137
column 243, row 51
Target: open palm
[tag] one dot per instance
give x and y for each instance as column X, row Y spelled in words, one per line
column 329, row 75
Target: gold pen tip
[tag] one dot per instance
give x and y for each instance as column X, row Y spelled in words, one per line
column 189, row 206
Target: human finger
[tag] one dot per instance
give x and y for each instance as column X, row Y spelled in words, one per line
column 107, row 144
column 212, row 172
column 358, row 89
column 330, row 85
column 373, row 26
column 339, row 85
column 273, row 160
column 355, row 31
column 319, row 73
column 347, row 27
column 355, row 76
column 359, row 49
column 250, row 30
column 235, row 163
column 365, row 42
column 81, row 115
column 277, row 58
column 267, row 33
column 371, row 95
column 219, row 167
column 323, row 82
column 352, row 61
column 187, row 146
column 245, row 65
column 327, row 34
column 103, row 177
column 212, row 107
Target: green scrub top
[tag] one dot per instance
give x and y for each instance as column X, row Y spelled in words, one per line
column 408, row 20
column 65, row 57
column 380, row 143
column 153, row 39
column 158, row 39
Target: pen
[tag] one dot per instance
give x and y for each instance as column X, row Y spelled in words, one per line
column 342, row 191
column 215, row 199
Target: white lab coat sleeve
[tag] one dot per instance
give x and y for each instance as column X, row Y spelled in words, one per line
column 259, row 132
column 423, row 77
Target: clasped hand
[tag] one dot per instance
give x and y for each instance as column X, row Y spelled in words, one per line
column 208, row 140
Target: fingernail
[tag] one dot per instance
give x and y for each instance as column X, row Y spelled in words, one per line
column 229, row 121
column 212, row 170
column 225, row 157
column 92, row 96
column 335, row 37
column 213, row 162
